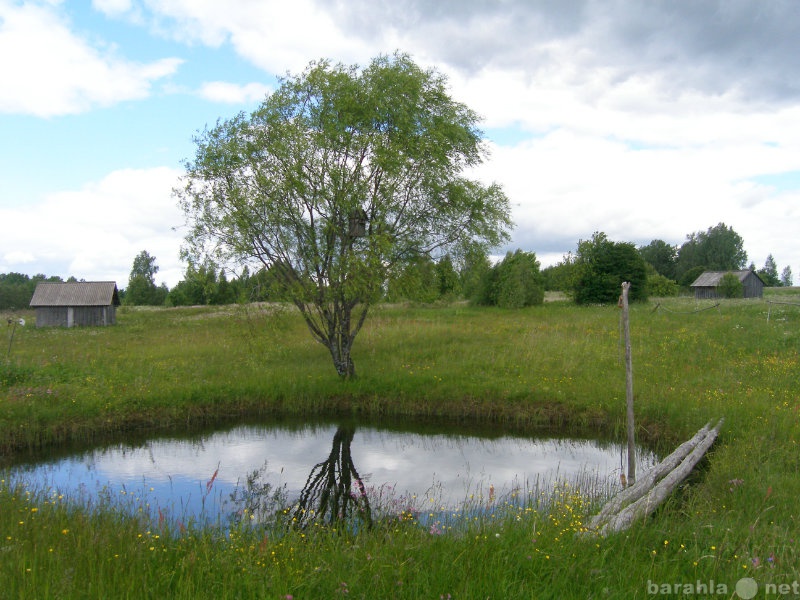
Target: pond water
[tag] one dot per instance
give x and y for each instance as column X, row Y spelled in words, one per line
column 214, row 477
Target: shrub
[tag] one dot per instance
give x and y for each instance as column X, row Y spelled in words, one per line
column 661, row 287
column 730, row 286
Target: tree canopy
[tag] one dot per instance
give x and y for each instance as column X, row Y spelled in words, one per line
column 769, row 274
column 719, row 248
column 142, row 289
column 16, row 289
column 786, row 276
column 661, row 256
column 336, row 179
column 514, row 282
column 601, row 268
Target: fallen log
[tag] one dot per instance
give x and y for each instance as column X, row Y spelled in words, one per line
column 644, row 496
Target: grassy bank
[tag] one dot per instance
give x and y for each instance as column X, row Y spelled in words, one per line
column 556, row 366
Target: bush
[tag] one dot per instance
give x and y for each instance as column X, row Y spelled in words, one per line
column 661, row 287
column 730, row 286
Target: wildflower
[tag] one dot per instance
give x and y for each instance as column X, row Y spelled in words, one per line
column 210, row 482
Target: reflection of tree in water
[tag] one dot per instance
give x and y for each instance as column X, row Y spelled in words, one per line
column 329, row 495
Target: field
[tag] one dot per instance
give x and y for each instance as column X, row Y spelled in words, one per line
column 556, row 367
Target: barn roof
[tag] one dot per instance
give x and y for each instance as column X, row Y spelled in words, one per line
column 713, row 278
column 78, row 293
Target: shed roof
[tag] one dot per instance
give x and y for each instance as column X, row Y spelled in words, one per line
column 78, row 293
column 713, row 278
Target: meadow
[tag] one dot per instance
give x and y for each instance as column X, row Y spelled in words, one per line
column 552, row 368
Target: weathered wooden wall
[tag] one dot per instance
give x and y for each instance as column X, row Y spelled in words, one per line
column 71, row 316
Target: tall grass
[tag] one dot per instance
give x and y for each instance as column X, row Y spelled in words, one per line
column 556, row 366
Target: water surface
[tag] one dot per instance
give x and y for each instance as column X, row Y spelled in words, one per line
column 206, row 477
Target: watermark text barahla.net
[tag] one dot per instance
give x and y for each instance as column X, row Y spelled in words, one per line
column 746, row 588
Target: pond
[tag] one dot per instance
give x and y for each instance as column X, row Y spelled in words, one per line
column 255, row 472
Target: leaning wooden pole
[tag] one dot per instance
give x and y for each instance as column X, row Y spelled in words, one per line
column 632, row 493
column 647, row 503
column 629, row 385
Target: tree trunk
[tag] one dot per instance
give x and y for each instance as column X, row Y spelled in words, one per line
column 342, row 361
column 332, row 326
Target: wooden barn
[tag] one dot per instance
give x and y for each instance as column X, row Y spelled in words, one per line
column 706, row 285
column 82, row 303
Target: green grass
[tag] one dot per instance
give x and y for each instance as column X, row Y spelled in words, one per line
column 555, row 367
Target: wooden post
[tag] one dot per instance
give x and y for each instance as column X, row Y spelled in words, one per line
column 629, row 385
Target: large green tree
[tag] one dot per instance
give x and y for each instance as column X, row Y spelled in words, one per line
column 769, row 274
column 786, row 276
column 719, row 248
column 662, row 256
column 142, row 288
column 340, row 176
column 472, row 264
column 601, row 268
column 514, row 282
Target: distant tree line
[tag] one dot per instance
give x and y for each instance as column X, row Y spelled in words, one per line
column 719, row 248
column 593, row 274
column 16, row 289
column 513, row 282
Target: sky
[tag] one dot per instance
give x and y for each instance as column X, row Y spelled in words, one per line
column 642, row 119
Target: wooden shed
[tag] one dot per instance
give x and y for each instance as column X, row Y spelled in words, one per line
column 75, row 303
column 706, row 285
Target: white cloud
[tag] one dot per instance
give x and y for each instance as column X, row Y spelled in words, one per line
column 565, row 185
column 47, row 70
column 275, row 35
column 112, row 8
column 95, row 232
column 19, row 257
column 232, row 93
